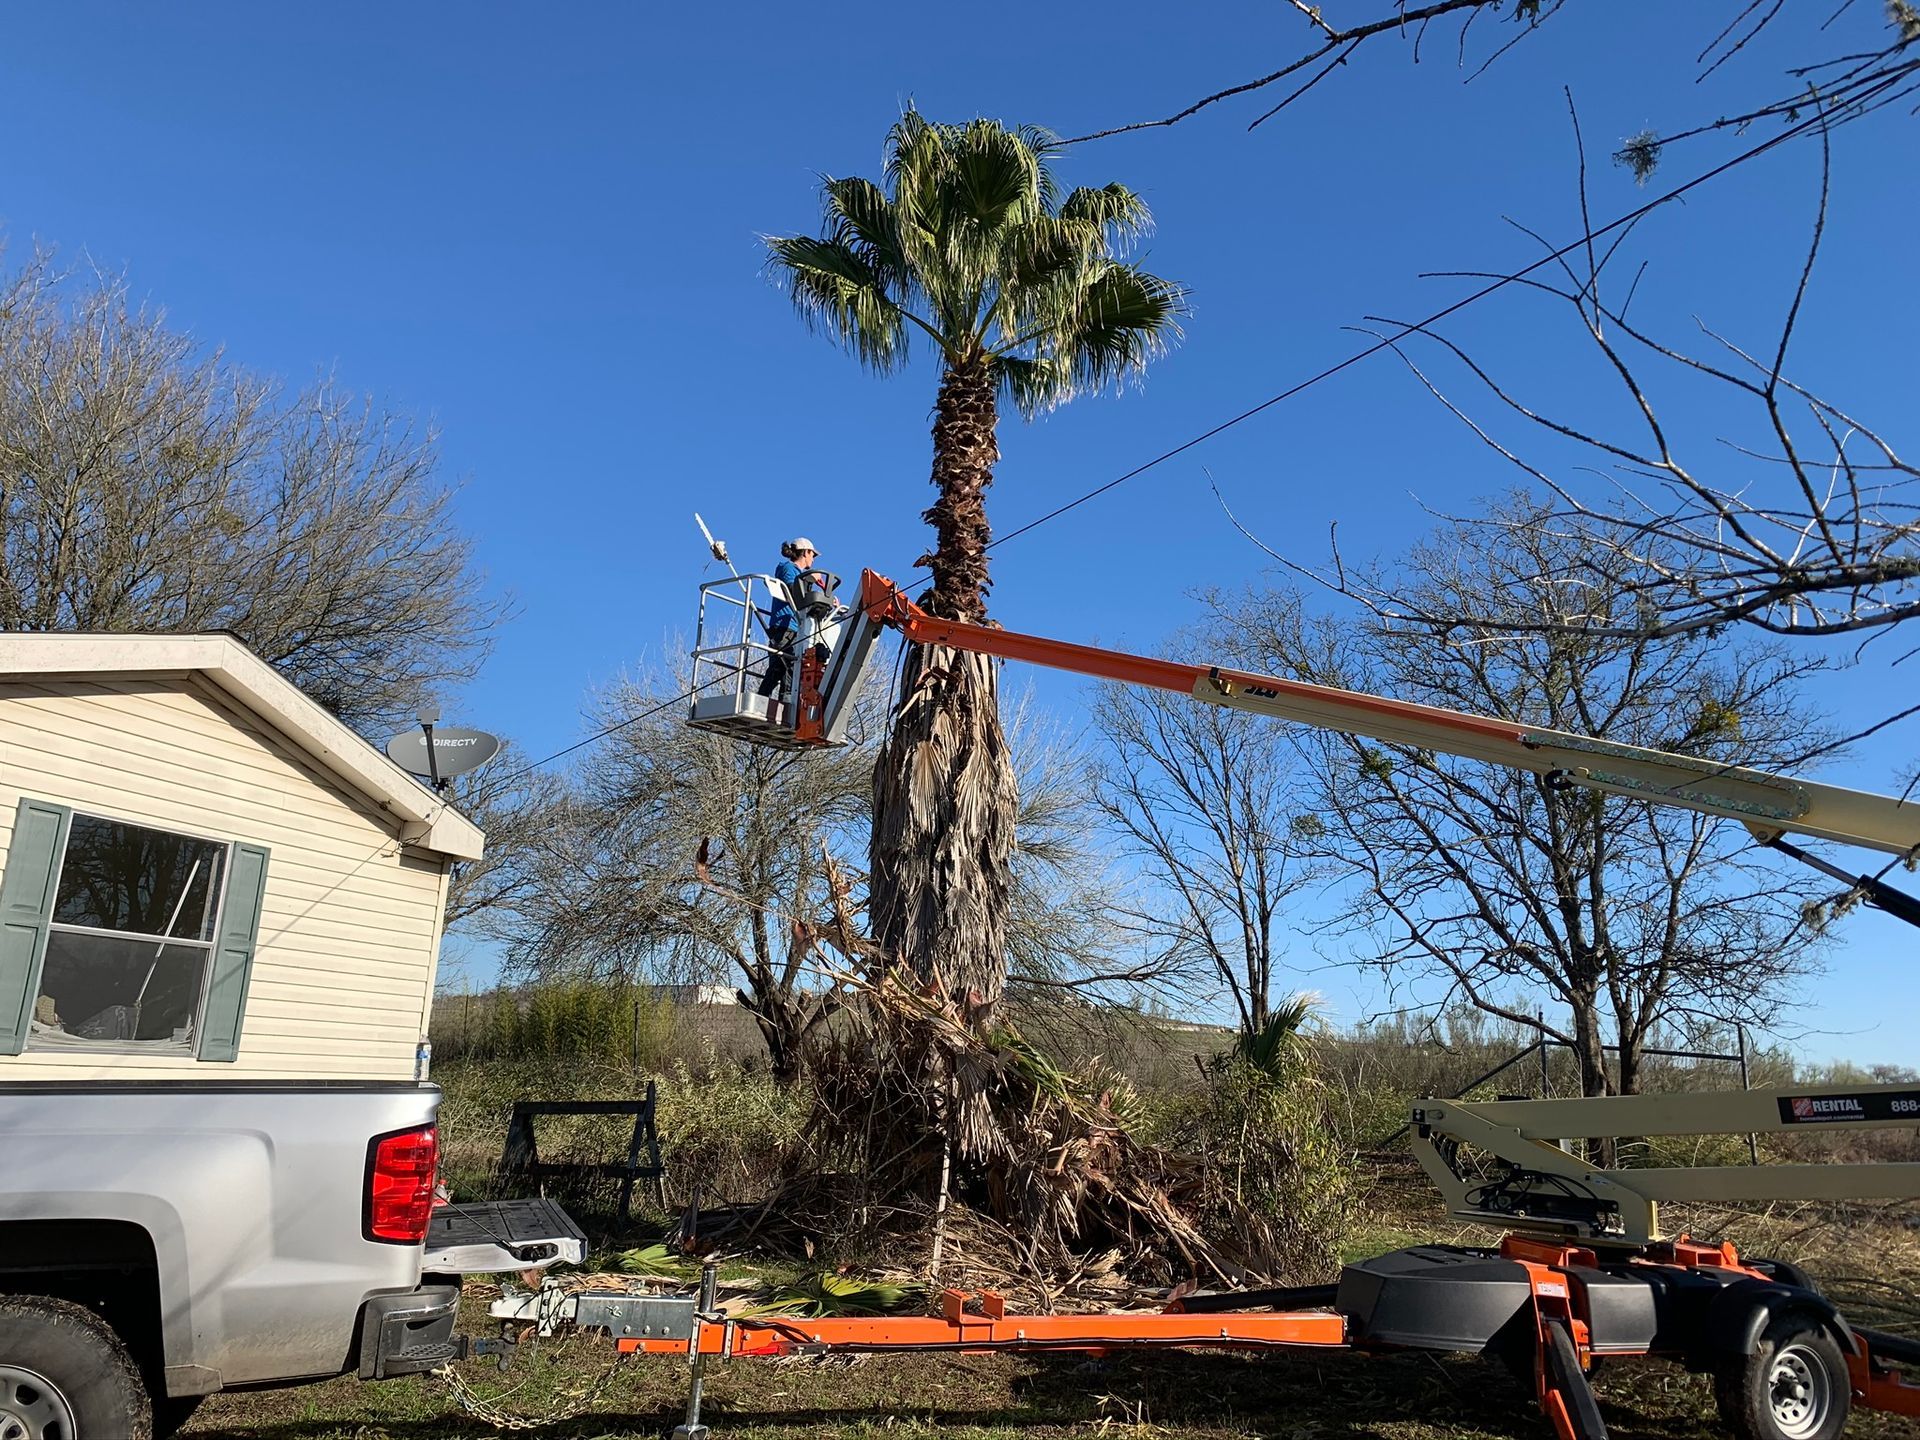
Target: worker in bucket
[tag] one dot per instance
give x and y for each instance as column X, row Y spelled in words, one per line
column 783, row 622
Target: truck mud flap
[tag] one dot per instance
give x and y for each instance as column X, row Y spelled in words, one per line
column 410, row 1332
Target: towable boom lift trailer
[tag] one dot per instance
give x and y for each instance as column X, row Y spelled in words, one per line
column 1586, row 1271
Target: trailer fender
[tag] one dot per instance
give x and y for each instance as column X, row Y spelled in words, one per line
column 1739, row 1315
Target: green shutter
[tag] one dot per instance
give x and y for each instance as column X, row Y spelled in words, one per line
column 233, row 943
column 26, row 912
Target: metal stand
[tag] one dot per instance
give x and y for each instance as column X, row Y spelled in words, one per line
column 704, row 1315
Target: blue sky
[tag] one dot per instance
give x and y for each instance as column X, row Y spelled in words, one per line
column 538, row 227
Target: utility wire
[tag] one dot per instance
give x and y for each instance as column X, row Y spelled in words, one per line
column 682, row 698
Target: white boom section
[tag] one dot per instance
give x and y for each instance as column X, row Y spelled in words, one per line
column 1766, row 803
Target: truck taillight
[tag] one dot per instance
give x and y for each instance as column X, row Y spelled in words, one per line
column 400, row 1169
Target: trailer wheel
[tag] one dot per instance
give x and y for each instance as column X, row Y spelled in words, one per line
column 64, row 1375
column 1794, row 1386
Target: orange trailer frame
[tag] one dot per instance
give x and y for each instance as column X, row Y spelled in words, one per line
column 1562, row 1341
column 979, row 1324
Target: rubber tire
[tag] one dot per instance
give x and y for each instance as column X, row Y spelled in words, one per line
column 1741, row 1385
column 78, row 1352
column 170, row 1412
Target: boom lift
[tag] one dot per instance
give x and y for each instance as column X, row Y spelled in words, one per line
column 1585, row 1271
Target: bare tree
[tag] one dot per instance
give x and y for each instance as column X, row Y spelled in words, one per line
column 1208, row 801
column 691, row 856
column 1065, row 936
column 146, row 485
column 1627, row 917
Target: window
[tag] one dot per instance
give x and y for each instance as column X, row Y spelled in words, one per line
column 130, row 940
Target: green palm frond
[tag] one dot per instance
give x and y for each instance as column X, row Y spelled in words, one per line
column 1100, row 336
column 1040, row 257
column 993, row 180
column 657, row 1260
column 1033, row 385
column 839, row 290
column 968, row 238
column 1275, row 1049
column 1122, row 215
column 1040, row 1072
column 1124, row 318
column 828, row 1293
column 860, row 217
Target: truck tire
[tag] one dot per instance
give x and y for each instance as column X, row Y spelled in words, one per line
column 64, row 1375
column 1794, row 1386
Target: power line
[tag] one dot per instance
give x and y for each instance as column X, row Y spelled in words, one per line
column 682, row 698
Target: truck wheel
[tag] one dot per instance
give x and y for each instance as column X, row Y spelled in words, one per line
column 64, row 1375
column 1793, row 1387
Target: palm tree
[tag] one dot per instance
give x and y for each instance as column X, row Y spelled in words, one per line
column 1024, row 296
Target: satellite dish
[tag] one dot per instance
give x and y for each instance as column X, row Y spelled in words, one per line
column 455, row 751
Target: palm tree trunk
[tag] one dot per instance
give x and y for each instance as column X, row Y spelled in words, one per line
column 944, row 787
column 944, row 800
column 964, row 452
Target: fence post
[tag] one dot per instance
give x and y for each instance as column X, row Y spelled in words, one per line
column 635, row 1046
column 1746, row 1083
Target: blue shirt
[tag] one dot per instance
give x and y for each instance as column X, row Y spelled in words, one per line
column 782, row 617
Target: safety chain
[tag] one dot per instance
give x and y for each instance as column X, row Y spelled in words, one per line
column 569, row 1405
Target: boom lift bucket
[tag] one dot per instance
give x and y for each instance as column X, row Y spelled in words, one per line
column 736, row 657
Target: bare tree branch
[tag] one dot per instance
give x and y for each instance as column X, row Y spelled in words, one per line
column 1852, row 85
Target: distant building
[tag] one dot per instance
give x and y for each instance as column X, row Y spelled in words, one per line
column 1185, row 1027
column 697, row 994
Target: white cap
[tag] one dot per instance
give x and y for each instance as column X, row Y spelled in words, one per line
column 796, row 546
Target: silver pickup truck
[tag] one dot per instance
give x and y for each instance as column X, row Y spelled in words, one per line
column 163, row 1241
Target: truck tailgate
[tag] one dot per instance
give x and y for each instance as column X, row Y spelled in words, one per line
column 493, row 1236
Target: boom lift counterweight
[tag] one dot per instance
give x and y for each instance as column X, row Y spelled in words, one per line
column 1587, row 1272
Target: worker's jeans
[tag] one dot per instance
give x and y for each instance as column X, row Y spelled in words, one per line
column 779, row 664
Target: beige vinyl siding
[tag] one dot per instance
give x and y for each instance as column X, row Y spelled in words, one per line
column 349, row 928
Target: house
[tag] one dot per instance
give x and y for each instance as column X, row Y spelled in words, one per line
column 204, row 874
